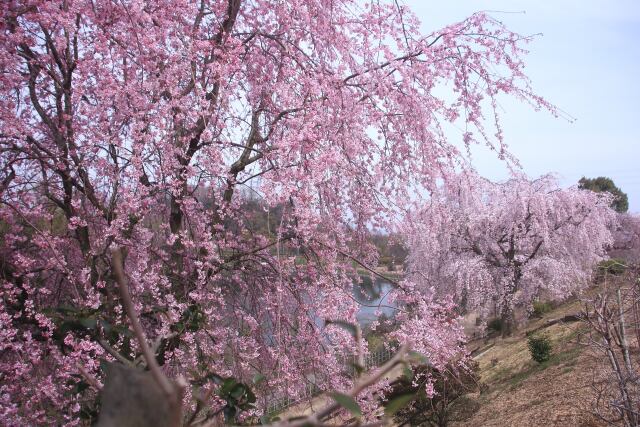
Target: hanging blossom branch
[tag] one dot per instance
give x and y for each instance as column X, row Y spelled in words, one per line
column 320, row 417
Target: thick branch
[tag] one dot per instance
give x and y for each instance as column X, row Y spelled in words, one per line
column 127, row 303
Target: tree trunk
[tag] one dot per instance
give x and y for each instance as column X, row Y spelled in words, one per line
column 507, row 315
column 507, row 319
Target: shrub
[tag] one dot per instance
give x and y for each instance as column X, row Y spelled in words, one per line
column 385, row 260
column 540, row 308
column 613, row 266
column 495, row 324
column 540, row 347
column 450, row 385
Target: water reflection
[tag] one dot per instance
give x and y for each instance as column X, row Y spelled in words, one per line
column 374, row 297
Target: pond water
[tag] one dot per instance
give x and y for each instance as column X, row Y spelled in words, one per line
column 373, row 295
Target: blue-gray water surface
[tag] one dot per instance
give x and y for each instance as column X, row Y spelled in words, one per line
column 373, row 295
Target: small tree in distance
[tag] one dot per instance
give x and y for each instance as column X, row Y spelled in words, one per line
column 626, row 242
column 600, row 184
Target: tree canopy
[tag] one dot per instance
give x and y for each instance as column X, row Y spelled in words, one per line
column 505, row 243
column 130, row 131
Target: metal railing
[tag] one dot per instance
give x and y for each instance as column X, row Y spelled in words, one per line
column 371, row 360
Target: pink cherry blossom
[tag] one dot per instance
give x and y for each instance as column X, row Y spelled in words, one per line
column 239, row 152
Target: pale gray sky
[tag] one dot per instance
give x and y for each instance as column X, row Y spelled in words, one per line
column 587, row 62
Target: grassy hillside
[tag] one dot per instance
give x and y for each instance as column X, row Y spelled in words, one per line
column 516, row 391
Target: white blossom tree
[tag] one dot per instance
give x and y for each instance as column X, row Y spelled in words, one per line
column 484, row 242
